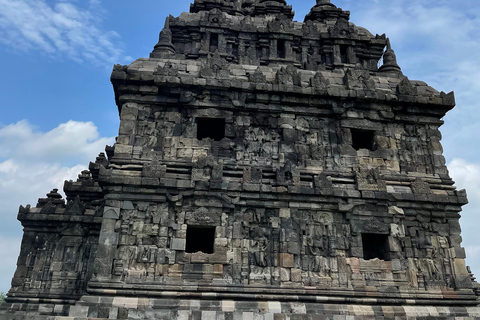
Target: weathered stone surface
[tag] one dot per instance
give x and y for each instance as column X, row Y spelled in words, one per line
column 264, row 169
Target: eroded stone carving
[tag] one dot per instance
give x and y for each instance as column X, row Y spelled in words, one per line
column 298, row 169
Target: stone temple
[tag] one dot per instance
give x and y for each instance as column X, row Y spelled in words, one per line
column 264, row 169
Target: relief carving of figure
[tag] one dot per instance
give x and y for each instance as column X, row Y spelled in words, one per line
column 261, row 248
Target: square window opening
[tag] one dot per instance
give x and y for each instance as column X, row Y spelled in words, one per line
column 363, row 139
column 200, row 239
column 375, row 246
column 212, row 128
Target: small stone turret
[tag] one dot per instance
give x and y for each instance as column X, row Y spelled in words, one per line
column 233, row 7
column 164, row 48
column 325, row 10
column 273, row 7
column 53, row 198
column 389, row 60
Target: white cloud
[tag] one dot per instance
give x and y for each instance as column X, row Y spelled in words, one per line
column 437, row 42
column 62, row 29
column 9, row 250
column 31, row 164
column 467, row 176
column 71, row 141
column 8, row 167
column 33, row 161
column 430, row 37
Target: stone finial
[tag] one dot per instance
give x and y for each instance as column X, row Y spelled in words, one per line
column 322, row 181
column 406, row 88
column 288, row 76
column 389, row 60
column 84, row 175
column 325, row 10
column 154, row 169
column 102, row 159
column 53, row 198
column 168, row 69
column 232, row 7
column 274, row 2
column 273, row 7
column 54, row 194
column 325, row 2
column 420, row 186
column 164, row 47
column 215, row 67
column 320, row 83
column 368, row 179
column 257, row 76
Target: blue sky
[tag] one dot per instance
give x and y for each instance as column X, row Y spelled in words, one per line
column 57, row 104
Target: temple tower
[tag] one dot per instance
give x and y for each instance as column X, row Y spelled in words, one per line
column 264, row 169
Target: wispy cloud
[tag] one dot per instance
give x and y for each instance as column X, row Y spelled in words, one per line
column 62, row 29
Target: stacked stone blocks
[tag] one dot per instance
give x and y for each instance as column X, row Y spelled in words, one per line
column 264, row 169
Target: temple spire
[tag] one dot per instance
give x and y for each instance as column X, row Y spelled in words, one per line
column 233, row 7
column 324, row 2
column 164, row 47
column 389, row 60
column 325, row 10
column 273, row 7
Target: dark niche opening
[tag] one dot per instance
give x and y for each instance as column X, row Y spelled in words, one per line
column 213, row 42
column 288, row 176
column 213, row 128
column 363, row 139
column 344, row 54
column 235, row 50
column 200, row 238
column 281, row 48
column 375, row 246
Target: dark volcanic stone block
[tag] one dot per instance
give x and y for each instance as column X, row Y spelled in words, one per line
column 265, row 169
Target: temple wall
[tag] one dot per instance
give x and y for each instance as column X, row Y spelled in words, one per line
column 264, row 169
column 269, row 241
column 271, row 139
